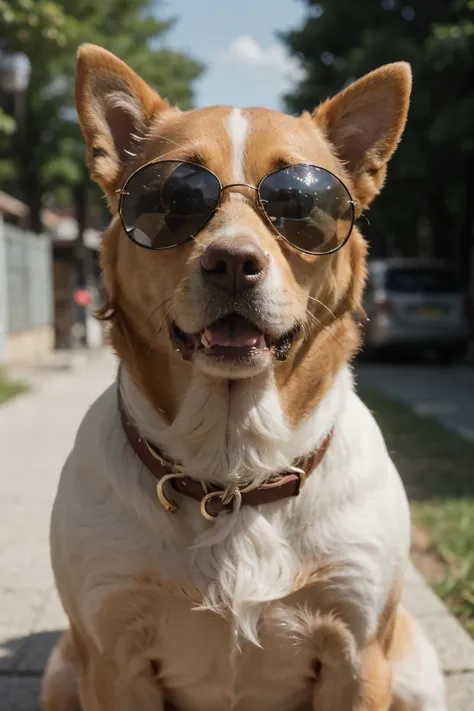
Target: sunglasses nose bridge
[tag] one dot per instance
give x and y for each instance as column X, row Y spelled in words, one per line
column 234, row 186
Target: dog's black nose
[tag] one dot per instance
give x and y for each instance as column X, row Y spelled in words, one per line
column 234, row 264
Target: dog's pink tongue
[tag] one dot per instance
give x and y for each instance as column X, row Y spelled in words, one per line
column 234, row 332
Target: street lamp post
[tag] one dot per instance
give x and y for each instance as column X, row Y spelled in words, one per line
column 15, row 72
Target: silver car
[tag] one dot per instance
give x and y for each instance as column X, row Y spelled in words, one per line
column 416, row 305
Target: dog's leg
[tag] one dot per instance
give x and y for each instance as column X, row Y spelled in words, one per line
column 375, row 692
column 350, row 680
column 79, row 678
column 106, row 687
column 60, row 682
column 418, row 683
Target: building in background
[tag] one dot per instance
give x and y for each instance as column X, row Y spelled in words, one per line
column 38, row 284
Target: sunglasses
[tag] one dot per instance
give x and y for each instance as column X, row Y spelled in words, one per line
column 166, row 203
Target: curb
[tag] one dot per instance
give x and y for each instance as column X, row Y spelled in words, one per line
column 454, row 646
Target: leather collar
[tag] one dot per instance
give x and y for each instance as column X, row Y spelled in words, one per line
column 214, row 499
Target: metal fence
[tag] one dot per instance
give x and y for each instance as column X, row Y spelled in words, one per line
column 29, row 279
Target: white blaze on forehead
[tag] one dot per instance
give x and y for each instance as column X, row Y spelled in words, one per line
column 237, row 128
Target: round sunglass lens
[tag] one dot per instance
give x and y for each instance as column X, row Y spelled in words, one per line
column 309, row 206
column 166, row 203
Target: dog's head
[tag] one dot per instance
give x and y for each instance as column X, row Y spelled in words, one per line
column 232, row 244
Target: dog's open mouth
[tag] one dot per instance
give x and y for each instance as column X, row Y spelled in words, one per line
column 233, row 337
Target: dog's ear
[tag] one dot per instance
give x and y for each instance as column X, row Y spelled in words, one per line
column 365, row 121
column 115, row 108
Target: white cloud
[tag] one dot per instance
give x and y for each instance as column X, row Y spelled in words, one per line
column 247, row 50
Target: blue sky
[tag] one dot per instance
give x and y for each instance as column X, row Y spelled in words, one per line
column 236, row 40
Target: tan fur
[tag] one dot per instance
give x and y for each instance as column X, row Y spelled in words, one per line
column 60, row 690
column 99, row 73
column 133, row 641
column 379, row 96
column 400, row 641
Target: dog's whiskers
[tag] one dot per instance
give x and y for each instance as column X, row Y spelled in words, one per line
column 164, row 319
column 324, row 327
column 321, row 303
column 148, row 319
column 168, row 140
column 152, row 343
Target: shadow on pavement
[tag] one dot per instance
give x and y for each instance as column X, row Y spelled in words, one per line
column 27, row 656
column 22, row 661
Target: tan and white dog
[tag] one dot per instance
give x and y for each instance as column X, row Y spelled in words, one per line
column 234, row 350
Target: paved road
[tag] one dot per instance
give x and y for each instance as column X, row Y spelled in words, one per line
column 36, row 433
column 444, row 393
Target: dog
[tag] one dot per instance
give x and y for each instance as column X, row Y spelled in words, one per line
column 229, row 531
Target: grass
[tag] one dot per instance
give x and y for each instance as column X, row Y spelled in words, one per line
column 437, row 468
column 10, row 388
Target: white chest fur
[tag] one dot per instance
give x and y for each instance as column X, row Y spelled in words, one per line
column 351, row 519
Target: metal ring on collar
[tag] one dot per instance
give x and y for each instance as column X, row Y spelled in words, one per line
column 205, row 499
column 235, row 498
column 168, row 503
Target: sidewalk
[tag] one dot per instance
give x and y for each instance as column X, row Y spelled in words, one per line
column 36, row 433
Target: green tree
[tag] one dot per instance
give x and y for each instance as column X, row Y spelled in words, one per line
column 32, row 22
column 51, row 150
column 427, row 204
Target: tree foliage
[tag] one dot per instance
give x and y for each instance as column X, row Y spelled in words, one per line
column 427, row 203
column 49, row 32
column 33, row 22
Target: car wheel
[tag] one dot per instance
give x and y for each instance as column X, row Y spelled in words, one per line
column 448, row 356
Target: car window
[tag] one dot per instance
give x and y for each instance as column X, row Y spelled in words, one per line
column 421, row 280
